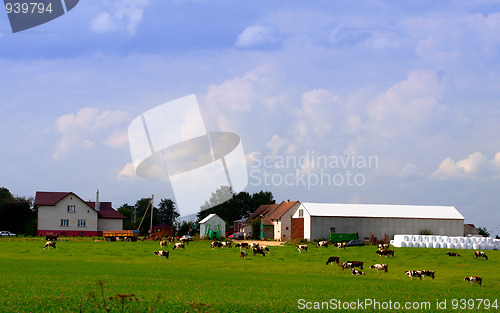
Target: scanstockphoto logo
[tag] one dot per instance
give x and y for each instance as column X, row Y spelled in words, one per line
column 26, row 14
column 170, row 142
column 310, row 170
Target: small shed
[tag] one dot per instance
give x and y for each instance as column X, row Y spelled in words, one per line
column 163, row 230
column 212, row 223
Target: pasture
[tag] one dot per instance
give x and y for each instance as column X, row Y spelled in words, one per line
column 87, row 276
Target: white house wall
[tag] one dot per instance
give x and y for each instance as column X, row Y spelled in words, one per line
column 49, row 217
column 214, row 221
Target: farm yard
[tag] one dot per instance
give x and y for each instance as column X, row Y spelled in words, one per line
column 81, row 275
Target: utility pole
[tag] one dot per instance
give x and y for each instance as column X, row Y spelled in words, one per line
column 151, row 223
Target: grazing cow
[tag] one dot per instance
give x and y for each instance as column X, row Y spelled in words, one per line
column 49, row 244
column 51, row 236
column 332, row 259
column 380, row 267
column 340, row 245
column 427, row 273
column 253, row 245
column 474, row 279
column 351, row 264
column 163, row 243
column 302, row 247
column 480, row 254
column 242, row 245
column 322, row 244
column 171, row 239
column 414, row 274
column 355, row 272
column 452, row 254
column 184, row 240
column 162, row 253
column 243, row 254
column 258, row 251
column 178, row 246
column 385, row 253
column 265, row 248
column 216, row 244
column 383, row 246
column 227, row 244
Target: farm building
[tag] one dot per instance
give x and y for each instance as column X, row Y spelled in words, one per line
column 66, row 214
column 316, row 220
column 212, row 223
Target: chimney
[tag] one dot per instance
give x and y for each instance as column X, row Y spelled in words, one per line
column 97, row 204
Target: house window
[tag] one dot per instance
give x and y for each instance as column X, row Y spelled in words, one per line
column 332, row 230
column 65, row 223
column 71, row 209
column 82, row 223
column 301, row 213
column 286, row 228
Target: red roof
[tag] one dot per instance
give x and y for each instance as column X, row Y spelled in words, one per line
column 261, row 211
column 106, row 210
column 49, row 198
column 281, row 209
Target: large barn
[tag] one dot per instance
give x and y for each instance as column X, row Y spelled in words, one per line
column 317, row 220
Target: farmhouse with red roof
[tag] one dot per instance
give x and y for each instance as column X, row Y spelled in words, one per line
column 66, row 214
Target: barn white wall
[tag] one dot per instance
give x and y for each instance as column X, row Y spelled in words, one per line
column 320, row 226
column 109, row 224
column 214, row 221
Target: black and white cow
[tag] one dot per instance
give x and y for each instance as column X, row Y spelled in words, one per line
column 49, row 244
column 332, row 259
column 242, row 245
column 355, row 272
column 340, row 245
column 302, row 248
column 265, row 248
column 227, row 244
column 322, row 244
column 414, row 274
column 163, row 243
column 351, row 264
column 216, row 244
column 243, row 254
column 474, row 279
column 178, row 246
column 480, row 254
column 162, row 253
column 427, row 273
column 383, row 246
column 253, row 245
column 385, row 253
column 452, row 253
column 380, row 267
column 258, row 251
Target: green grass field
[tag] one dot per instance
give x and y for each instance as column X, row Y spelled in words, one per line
column 87, row 276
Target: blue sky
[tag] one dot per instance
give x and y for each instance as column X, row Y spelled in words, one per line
column 414, row 84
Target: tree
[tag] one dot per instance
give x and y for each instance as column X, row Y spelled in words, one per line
column 483, row 232
column 17, row 214
column 256, row 229
column 141, row 206
column 167, row 212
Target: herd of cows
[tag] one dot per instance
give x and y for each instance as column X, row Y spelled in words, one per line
column 256, row 248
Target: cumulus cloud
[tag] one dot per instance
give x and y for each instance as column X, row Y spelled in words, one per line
column 476, row 165
column 76, row 129
column 127, row 172
column 120, row 15
column 256, row 35
column 276, row 144
column 319, row 111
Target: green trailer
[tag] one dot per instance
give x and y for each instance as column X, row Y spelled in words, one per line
column 343, row 237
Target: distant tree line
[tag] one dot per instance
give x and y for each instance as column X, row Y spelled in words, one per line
column 239, row 205
column 17, row 214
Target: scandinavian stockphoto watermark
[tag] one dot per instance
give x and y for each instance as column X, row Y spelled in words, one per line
column 170, row 142
column 310, row 169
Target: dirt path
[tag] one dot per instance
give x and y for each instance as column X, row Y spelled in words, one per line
column 262, row 243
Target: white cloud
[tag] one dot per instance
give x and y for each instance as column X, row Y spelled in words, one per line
column 120, row 14
column 276, row 144
column 319, row 112
column 127, row 172
column 256, row 35
column 476, row 165
column 75, row 129
column 117, row 139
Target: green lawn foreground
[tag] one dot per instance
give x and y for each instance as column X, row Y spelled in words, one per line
column 87, row 276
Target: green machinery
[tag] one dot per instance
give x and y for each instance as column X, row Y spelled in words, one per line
column 212, row 233
column 343, row 237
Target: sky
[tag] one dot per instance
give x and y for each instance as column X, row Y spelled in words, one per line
column 334, row 101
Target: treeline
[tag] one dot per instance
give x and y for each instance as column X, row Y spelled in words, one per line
column 239, row 205
column 17, row 214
